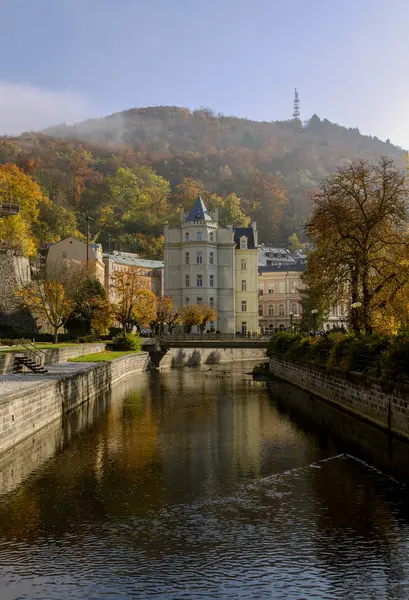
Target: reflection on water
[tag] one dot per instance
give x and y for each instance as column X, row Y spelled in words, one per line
column 202, row 484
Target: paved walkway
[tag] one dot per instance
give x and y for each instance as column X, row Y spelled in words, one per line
column 11, row 383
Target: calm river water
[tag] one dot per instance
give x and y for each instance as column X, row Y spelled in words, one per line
column 190, row 484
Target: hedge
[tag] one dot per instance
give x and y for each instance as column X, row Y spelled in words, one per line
column 374, row 355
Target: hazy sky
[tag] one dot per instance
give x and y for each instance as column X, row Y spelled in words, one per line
column 63, row 60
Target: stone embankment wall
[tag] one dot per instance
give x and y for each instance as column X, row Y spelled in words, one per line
column 27, row 411
column 53, row 356
column 385, row 405
column 181, row 357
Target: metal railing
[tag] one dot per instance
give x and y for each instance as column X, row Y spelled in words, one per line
column 38, row 353
column 213, row 336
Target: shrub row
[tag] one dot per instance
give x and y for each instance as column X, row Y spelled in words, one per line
column 374, row 355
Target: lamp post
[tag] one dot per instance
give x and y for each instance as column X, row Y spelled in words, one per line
column 291, row 321
column 88, row 219
column 355, row 307
column 314, row 313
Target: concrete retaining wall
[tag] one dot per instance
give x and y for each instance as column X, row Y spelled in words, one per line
column 180, row 357
column 53, row 356
column 25, row 412
column 382, row 404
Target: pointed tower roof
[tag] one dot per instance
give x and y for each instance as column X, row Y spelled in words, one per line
column 199, row 212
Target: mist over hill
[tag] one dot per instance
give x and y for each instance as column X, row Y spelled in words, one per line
column 265, row 170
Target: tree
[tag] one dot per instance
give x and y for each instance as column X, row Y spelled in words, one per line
column 165, row 315
column 134, row 305
column 48, row 299
column 18, row 188
column 197, row 315
column 209, row 314
column 230, row 212
column 17, row 235
column 269, row 200
column 359, row 229
column 191, row 315
column 294, row 243
column 186, row 192
column 91, row 312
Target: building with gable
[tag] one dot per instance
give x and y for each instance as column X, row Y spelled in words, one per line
column 217, row 266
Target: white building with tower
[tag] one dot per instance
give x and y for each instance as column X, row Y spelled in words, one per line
column 217, row 266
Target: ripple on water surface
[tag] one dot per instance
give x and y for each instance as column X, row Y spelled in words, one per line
column 192, row 488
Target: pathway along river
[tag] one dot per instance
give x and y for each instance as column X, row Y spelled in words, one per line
column 187, row 484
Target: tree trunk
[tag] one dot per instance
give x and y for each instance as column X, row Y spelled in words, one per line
column 365, row 302
column 55, row 334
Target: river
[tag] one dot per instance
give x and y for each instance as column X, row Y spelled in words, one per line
column 198, row 484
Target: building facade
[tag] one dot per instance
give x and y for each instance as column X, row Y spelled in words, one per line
column 67, row 260
column 149, row 272
column 279, row 296
column 206, row 264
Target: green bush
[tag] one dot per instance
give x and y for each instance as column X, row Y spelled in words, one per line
column 282, row 342
column 128, row 341
column 319, row 349
column 88, row 339
column 394, row 362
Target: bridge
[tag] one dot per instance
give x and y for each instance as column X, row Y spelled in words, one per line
column 160, row 345
column 209, row 341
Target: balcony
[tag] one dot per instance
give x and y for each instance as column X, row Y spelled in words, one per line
column 7, row 209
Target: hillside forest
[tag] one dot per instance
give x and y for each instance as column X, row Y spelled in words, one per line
column 130, row 172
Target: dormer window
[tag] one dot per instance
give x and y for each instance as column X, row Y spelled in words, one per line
column 243, row 243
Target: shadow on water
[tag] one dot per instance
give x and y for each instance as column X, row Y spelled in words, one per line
column 337, row 430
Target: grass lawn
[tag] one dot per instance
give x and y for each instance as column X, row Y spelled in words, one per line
column 43, row 346
column 102, row 356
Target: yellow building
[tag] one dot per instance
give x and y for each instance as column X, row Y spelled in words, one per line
column 67, row 260
column 246, row 276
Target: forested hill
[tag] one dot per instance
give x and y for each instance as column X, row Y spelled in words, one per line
column 260, row 170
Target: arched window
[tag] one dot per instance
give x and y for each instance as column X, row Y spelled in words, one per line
column 281, row 310
column 271, row 310
column 294, row 308
column 186, row 236
column 260, row 310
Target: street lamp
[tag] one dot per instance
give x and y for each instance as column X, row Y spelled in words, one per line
column 314, row 313
column 291, row 321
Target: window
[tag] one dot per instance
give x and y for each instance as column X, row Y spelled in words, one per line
column 271, row 310
column 64, row 255
column 281, row 310
column 243, row 327
column 199, row 236
column 294, row 309
column 243, row 306
column 260, row 310
column 187, row 258
column 243, row 285
column 186, row 236
column 199, row 300
column 199, row 281
column 187, row 282
column 211, row 236
column 211, row 258
column 243, row 264
column 187, row 300
column 293, row 287
column 281, row 287
column 211, row 280
column 243, row 243
column 270, row 289
column 199, row 258
column 211, row 302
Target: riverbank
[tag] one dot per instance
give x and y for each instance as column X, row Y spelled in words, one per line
column 30, row 402
column 385, row 405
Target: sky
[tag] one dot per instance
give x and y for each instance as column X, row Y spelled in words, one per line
column 66, row 60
